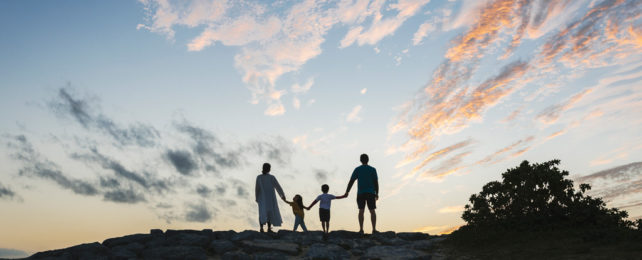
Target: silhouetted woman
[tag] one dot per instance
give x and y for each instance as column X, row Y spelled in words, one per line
column 266, row 198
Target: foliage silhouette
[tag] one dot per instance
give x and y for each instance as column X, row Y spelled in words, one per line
column 538, row 196
column 535, row 210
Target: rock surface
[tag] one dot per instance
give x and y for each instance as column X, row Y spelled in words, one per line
column 208, row 244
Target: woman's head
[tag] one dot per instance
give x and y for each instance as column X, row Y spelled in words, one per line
column 266, row 167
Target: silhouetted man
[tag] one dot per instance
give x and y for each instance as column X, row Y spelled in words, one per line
column 367, row 191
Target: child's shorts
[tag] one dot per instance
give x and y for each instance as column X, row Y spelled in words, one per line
column 324, row 215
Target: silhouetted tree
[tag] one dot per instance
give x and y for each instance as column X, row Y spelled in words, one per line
column 538, row 196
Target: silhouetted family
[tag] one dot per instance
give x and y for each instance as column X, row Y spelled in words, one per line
column 367, row 194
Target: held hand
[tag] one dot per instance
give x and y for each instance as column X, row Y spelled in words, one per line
column 377, row 197
column 346, row 194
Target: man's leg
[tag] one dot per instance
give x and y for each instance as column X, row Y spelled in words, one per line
column 361, row 220
column 262, row 228
column 327, row 227
column 269, row 226
column 373, row 219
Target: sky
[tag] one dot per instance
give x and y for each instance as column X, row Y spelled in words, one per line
column 122, row 116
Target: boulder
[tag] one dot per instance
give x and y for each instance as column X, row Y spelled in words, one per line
column 413, row 236
column 135, row 248
column 344, row 234
column 393, row 252
column 221, row 247
column 84, row 251
column 387, row 235
column 270, row 256
column 392, row 241
column 326, row 251
column 249, row 235
column 227, row 235
column 175, row 252
column 236, row 255
column 423, row 245
column 189, row 239
column 156, row 232
column 121, row 252
column 135, row 238
column 271, row 245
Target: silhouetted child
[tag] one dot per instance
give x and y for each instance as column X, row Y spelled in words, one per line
column 297, row 209
column 324, row 207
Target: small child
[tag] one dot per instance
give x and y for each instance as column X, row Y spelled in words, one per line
column 297, row 209
column 324, row 207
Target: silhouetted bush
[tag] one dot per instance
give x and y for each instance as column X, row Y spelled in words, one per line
column 539, row 197
column 535, row 202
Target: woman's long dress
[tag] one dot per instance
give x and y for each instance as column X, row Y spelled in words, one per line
column 266, row 198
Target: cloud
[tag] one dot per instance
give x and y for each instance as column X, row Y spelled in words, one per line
column 422, row 32
column 198, row 213
column 12, row 253
column 274, row 39
column 353, row 116
column 124, row 196
column 321, row 175
column 34, row 165
column 145, row 180
column 620, row 185
column 204, row 191
column 6, row 192
column 552, row 113
column 382, row 27
column 452, row 209
column 493, row 158
column 296, row 103
column 453, row 98
column 438, row 230
column 82, row 111
column 182, row 161
column 433, row 156
column 296, row 88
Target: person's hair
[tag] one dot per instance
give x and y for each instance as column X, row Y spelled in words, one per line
column 298, row 200
column 364, row 158
column 325, row 188
column 266, row 168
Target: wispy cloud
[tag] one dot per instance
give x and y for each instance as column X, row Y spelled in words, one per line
column 6, row 192
column 198, row 213
column 453, row 99
column 437, row 230
column 451, row 209
column 552, row 113
column 620, row 185
column 36, row 166
column 86, row 112
column 353, row 116
column 275, row 42
column 422, row 32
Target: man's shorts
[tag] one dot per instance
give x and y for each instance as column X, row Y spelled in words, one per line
column 364, row 198
column 324, row 215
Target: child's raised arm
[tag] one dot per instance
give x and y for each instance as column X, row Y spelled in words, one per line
column 314, row 202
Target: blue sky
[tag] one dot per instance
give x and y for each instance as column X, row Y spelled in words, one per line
column 159, row 114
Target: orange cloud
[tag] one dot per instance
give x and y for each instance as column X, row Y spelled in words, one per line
column 492, row 159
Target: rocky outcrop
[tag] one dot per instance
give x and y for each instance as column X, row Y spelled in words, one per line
column 208, row 244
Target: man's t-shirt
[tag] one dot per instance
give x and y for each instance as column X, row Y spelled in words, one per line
column 366, row 176
column 324, row 200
